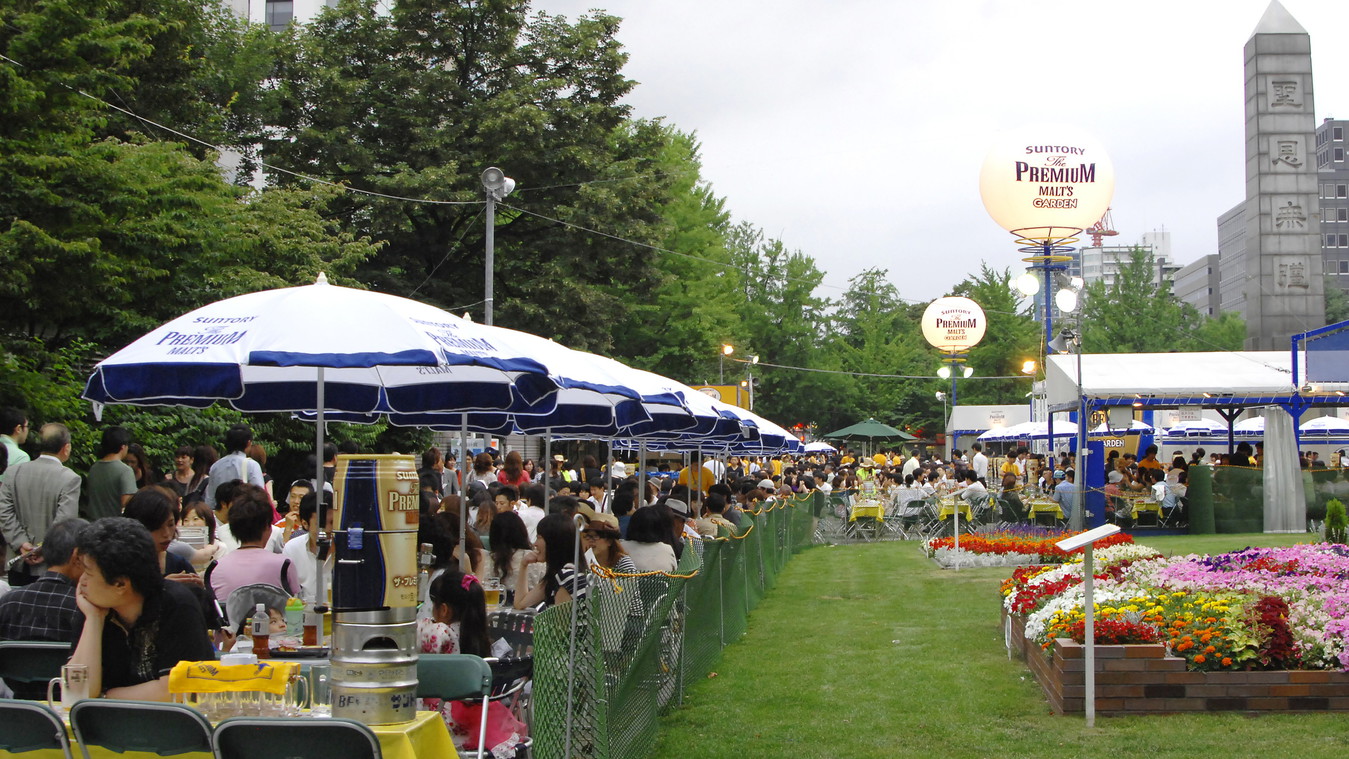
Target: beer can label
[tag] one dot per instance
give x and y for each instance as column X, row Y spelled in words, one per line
column 376, row 503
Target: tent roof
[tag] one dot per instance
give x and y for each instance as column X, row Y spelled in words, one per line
column 975, row 419
column 1230, row 378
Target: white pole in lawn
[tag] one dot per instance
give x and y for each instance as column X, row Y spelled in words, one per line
column 1085, row 541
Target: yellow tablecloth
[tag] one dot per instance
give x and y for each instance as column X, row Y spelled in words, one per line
column 425, row 737
column 1152, row 506
column 1045, row 507
column 867, row 511
column 948, row 508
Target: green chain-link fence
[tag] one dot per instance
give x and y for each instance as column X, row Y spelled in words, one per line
column 639, row 640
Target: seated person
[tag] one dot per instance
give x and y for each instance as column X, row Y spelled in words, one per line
column 715, row 506
column 458, row 625
column 250, row 522
column 1065, row 493
column 554, row 549
column 45, row 608
column 972, row 489
column 137, row 625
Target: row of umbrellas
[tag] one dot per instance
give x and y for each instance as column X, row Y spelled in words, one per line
column 326, row 352
column 1325, row 427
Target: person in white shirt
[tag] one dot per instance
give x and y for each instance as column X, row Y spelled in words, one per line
column 911, row 465
column 822, row 484
column 531, row 510
column 979, row 464
column 973, row 487
column 302, row 551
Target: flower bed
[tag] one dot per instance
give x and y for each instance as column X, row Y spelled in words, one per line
column 1255, row 609
column 1009, row 548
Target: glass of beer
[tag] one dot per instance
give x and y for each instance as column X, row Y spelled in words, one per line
column 491, row 591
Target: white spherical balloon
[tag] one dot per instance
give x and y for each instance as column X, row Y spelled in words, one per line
column 954, row 324
column 1047, row 177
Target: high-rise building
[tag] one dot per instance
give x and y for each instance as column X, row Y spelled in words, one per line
column 1272, row 273
column 1198, row 284
column 1332, row 171
column 278, row 14
column 1102, row 263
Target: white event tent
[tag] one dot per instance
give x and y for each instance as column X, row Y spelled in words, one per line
column 1225, row 381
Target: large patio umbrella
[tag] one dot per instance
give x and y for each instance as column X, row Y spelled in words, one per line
column 1325, row 427
column 321, row 347
column 870, row 429
column 324, row 347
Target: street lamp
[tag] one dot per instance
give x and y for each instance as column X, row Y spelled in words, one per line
column 496, row 186
column 1071, row 340
column 749, row 378
column 726, row 350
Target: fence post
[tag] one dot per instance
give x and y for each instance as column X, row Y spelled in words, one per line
column 721, row 596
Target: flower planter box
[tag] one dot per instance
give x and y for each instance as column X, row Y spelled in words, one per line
column 1142, row 679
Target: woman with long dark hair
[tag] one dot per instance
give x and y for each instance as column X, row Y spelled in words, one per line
column 510, row 543
column 157, row 509
column 554, row 548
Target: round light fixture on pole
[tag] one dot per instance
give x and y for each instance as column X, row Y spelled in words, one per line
column 1066, row 300
column 1046, row 183
column 1028, row 284
column 944, row 371
column 496, row 186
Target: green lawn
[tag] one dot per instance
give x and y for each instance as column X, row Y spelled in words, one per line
column 870, row 651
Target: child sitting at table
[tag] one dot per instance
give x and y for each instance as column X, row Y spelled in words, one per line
column 458, row 625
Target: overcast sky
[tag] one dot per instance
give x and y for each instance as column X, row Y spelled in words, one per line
column 854, row 129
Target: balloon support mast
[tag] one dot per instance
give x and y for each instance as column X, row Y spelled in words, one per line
column 1050, row 252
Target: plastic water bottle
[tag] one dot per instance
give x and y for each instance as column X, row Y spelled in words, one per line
column 261, row 632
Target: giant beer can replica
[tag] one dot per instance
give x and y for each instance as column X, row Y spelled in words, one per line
column 374, row 658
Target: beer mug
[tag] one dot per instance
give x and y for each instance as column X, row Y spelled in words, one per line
column 321, row 690
column 491, row 591
column 74, row 682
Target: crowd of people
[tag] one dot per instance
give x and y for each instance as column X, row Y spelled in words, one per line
column 138, row 571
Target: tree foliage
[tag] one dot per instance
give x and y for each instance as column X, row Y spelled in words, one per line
column 417, row 101
column 1138, row 314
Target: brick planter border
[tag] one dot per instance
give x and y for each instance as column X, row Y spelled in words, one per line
column 1142, row 679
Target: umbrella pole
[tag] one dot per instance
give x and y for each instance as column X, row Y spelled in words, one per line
column 465, row 565
column 316, row 524
column 548, row 466
column 609, row 476
column 641, row 470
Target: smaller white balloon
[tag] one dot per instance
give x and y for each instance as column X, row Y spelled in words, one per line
column 954, row 324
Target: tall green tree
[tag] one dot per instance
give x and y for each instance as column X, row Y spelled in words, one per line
column 416, row 100
column 787, row 324
column 678, row 329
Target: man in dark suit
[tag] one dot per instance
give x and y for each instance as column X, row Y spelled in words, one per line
column 38, row 494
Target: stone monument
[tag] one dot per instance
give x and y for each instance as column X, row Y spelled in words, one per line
column 1284, row 285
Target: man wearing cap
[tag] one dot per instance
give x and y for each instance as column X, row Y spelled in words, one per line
column 1065, row 493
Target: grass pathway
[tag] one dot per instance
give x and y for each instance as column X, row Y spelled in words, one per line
column 871, row 651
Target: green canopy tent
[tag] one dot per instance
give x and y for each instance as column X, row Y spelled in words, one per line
column 871, row 429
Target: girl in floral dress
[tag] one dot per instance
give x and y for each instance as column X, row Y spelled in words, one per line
column 458, row 625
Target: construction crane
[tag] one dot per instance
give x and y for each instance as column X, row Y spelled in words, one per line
column 1103, row 228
